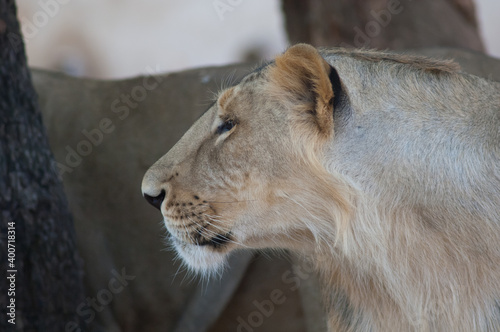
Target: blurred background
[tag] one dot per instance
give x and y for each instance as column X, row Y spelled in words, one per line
column 123, row 38
column 116, row 230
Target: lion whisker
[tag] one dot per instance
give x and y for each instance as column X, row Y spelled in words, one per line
column 217, row 218
column 202, row 230
column 180, row 269
column 213, row 233
column 244, row 201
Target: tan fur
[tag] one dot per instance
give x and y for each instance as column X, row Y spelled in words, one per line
column 418, row 62
column 299, row 73
column 224, row 98
column 394, row 194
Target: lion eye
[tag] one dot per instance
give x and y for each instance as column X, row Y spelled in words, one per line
column 225, row 127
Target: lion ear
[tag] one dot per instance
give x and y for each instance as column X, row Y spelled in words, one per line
column 303, row 77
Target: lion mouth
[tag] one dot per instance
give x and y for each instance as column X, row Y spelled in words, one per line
column 216, row 242
column 198, row 234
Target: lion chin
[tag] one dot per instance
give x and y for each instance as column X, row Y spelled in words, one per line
column 202, row 259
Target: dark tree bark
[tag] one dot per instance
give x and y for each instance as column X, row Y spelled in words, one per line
column 383, row 24
column 46, row 277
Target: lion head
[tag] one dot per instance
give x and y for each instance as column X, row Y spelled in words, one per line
column 250, row 173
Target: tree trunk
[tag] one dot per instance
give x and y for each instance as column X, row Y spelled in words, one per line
column 43, row 284
column 383, row 24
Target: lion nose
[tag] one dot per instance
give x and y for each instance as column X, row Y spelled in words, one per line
column 155, row 201
column 154, row 188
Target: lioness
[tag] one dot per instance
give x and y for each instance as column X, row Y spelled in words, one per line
column 382, row 169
